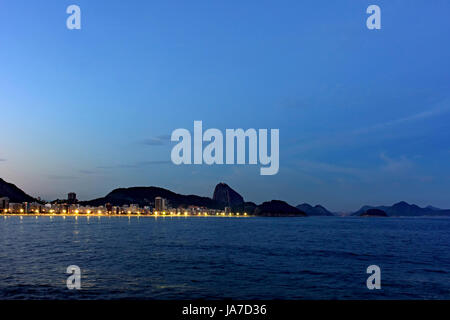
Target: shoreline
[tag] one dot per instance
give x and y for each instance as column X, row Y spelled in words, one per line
column 125, row 215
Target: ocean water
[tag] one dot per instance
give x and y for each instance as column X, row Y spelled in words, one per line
column 215, row 258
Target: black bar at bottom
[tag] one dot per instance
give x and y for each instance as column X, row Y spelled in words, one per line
column 228, row 309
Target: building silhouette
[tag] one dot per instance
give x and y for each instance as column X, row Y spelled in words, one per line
column 4, row 203
column 72, row 197
column 160, row 204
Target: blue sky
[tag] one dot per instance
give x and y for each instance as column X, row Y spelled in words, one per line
column 363, row 114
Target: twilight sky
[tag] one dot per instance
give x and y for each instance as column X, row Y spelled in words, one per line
column 364, row 115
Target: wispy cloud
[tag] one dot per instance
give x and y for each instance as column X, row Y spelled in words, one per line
column 391, row 166
column 330, row 168
column 157, row 141
column 345, row 137
column 60, row 177
column 442, row 108
column 135, row 165
column 2, row 160
column 395, row 165
column 87, row 172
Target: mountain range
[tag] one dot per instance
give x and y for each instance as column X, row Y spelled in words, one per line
column 404, row 209
column 223, row 196
column 373, row 213
column 14, row 193
column 277, row 208
column 144, row 196
column 228, row 197
column 317, row 210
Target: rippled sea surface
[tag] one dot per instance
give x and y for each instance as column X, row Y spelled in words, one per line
column 214, row 258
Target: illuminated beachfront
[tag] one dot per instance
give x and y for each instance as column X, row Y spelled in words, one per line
column 6, row 212
column 72, row 208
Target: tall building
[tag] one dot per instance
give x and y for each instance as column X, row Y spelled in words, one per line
column 160, row 204
column 4, row 203
column 72, row 197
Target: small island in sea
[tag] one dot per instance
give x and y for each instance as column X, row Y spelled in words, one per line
column 374, row 213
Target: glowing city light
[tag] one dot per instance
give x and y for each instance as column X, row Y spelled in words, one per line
column 128, row 210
